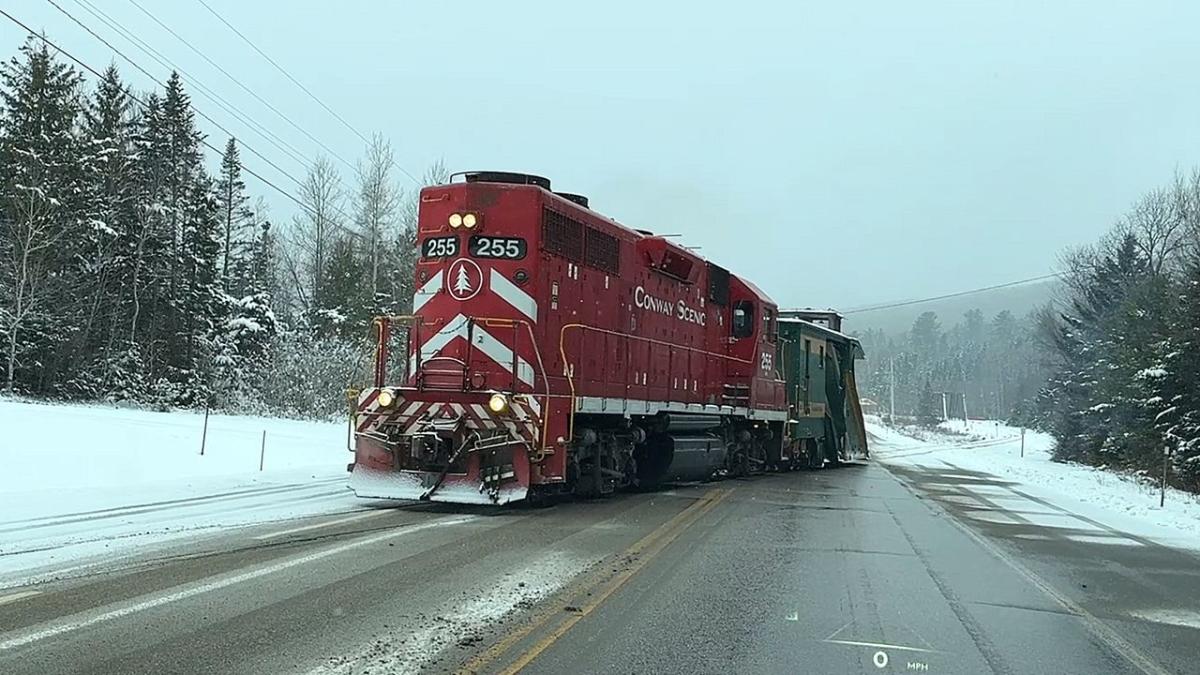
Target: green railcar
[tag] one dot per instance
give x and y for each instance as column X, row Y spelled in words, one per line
column 825, row 422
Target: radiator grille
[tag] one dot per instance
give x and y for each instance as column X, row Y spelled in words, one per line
column 602, row 251
column 562, row 235
column 571, row 239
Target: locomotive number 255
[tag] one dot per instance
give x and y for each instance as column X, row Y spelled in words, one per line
column 511, row 248
column 440, row 247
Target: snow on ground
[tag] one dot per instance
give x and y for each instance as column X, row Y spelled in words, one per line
column 1117, row 501
column 78, row 482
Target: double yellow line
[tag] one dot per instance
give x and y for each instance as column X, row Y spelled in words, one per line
column 599, row 587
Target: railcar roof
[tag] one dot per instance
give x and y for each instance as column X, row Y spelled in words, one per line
column 827, row 333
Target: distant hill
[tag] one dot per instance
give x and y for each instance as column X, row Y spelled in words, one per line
column 1017, row 299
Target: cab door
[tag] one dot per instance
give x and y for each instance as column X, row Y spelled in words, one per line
column 769, row 385
column 741, row 347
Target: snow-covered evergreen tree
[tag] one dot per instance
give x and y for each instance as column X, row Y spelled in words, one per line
column 237, row 224
column 345, row 293
column 1177, row 380
column 928, row 410
column 196, row 303
column 108, row 239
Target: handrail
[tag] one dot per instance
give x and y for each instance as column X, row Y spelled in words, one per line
column 562, row 351
column 537, row 353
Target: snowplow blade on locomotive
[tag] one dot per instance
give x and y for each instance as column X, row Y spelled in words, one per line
column 462, row 451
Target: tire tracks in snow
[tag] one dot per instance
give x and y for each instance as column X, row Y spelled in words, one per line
column 51, row 546
column 136, row 509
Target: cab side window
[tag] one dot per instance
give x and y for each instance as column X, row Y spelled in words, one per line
column 743, row 319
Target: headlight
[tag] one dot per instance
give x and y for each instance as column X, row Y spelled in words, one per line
column 456, row 220
column 498, row 403
column 386, row 398
column 468, row 220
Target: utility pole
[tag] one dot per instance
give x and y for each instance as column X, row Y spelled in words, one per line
column 962, row 376
column 892, row 391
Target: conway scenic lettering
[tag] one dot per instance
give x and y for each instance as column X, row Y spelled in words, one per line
column 677, row 309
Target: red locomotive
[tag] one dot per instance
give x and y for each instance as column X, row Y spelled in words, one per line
column 552, row 350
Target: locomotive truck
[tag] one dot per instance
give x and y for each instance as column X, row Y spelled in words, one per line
column 552, row 350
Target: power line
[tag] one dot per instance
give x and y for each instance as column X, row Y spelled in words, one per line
column 206, row 91
column 151, row 76
column 296, row 82
column 337, row 211
column 973, row 291
column 142, row 103
column 239, row 83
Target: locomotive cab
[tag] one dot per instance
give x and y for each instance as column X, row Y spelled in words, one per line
column 753, row 336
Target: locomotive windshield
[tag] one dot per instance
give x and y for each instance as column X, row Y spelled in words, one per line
column 743, row 319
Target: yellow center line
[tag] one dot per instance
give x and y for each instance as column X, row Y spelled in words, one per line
column 641, row 553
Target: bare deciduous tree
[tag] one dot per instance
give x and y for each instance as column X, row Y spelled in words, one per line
column 377, row 204
column 314, row 231
column 28, row 261
column 1155, row 223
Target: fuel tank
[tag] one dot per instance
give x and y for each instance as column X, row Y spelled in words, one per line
column 670, row 457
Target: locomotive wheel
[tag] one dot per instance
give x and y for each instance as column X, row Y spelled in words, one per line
column 813, row 451
column 786, row 465
column 740, row 468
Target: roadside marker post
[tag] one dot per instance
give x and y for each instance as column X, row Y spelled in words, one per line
column 1162, row 488
column 1022, row 441
column 262, row 450
column 204, row 431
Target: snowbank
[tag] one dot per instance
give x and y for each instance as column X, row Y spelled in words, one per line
column 79, row 480
column 990, row 447
column 69, row 449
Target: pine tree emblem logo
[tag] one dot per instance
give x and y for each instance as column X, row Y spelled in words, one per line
column 465, row 279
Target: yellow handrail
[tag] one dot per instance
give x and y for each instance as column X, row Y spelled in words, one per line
column 562, row 351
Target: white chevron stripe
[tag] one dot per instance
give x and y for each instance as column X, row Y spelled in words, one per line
column 519, row 299
column 453, row 328
column 426, row 292
column 534, row 405
column 484, row 342
column 457, row 326
column 502, row 354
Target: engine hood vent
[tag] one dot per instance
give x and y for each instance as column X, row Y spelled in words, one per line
column 578, row 199
column 509, row 177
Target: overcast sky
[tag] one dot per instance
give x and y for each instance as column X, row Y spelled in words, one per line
column 898, row 149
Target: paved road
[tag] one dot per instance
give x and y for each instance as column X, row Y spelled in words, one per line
column 859, row 569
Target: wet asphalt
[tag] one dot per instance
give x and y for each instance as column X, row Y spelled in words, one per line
column 869, row 570
column 860, row 569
